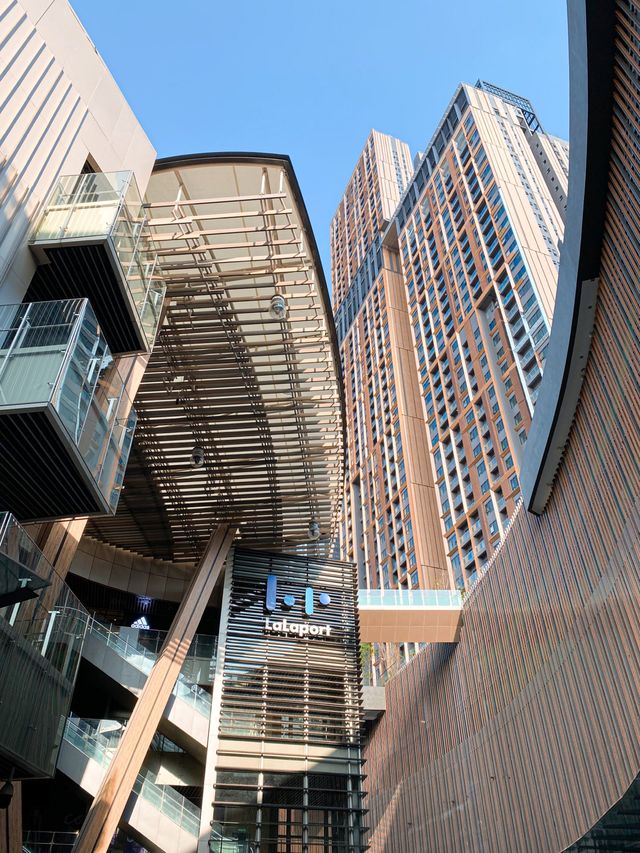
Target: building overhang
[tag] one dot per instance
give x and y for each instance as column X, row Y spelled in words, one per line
column 245, row 369
column 591, row 80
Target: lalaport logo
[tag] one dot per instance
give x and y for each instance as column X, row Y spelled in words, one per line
column 299, row 629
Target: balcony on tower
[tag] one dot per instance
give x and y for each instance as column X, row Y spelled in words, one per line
column 92, row 240
column 66, row 421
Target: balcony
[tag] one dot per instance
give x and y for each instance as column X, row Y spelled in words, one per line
column 514, row 311
column 533, row 376
column 517, row 329
column 528, row 359
column 92, row 241
column 66, row 422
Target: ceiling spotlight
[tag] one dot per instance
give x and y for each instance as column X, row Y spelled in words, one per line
column 314, row 529
column 197, row 457
column 277, row 307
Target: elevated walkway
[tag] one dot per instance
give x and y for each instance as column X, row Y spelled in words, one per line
column 409, row 616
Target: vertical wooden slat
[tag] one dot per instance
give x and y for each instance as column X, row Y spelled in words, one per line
column 11, row 823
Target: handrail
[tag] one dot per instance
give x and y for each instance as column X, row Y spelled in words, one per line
column 143, row 659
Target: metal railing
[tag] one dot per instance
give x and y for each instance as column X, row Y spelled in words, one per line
column 40, row 648
column 48, row 841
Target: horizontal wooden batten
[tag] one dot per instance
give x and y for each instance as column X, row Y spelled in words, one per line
column 227, row 375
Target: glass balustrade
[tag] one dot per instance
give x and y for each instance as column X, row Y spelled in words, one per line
column 41, row 641
column 409, row 598
column 142, row 654
column 54, row 359
column 106, row 207
column 98, row 740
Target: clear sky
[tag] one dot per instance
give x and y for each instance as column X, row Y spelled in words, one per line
column 310, row 79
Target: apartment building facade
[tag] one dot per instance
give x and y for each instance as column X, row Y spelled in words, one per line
column 470, row 261
column 389, row 527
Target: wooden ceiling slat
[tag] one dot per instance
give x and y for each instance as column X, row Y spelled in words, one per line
column 261, row 396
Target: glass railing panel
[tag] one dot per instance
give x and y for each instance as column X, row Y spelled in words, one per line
column 151, row 305
column 142, row 653
column 108, row 206
column 52, row 841
column 82, row 206
column 98, row 740
column 34, row 341
column 409, row 598
column 53, row 354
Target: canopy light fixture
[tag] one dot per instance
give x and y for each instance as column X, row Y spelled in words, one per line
column 197, row 457
column 277, row 307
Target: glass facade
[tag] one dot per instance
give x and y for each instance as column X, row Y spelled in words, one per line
column 85, row 209
column 54, row 359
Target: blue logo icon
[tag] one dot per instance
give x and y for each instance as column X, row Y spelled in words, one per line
column 289, row 600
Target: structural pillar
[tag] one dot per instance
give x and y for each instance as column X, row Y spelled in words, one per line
column 11, row 823
column 107, row 808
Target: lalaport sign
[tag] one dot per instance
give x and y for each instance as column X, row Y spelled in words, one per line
column 283, row 625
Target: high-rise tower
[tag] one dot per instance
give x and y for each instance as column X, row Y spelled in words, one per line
column 390, row 525
column 443, row 328
column 479, row 232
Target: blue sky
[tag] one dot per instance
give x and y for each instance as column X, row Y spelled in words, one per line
column 311, row 79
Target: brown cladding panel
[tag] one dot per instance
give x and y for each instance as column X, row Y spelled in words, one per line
column 524, row 735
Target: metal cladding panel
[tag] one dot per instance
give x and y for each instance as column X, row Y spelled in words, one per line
column 291, row 715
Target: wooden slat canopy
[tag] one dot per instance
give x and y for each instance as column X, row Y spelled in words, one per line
column 261, row 396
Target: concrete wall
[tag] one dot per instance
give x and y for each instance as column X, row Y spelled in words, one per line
column 127, row 571
column 59, row 105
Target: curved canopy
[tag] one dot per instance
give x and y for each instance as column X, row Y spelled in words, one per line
column 257, row 395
